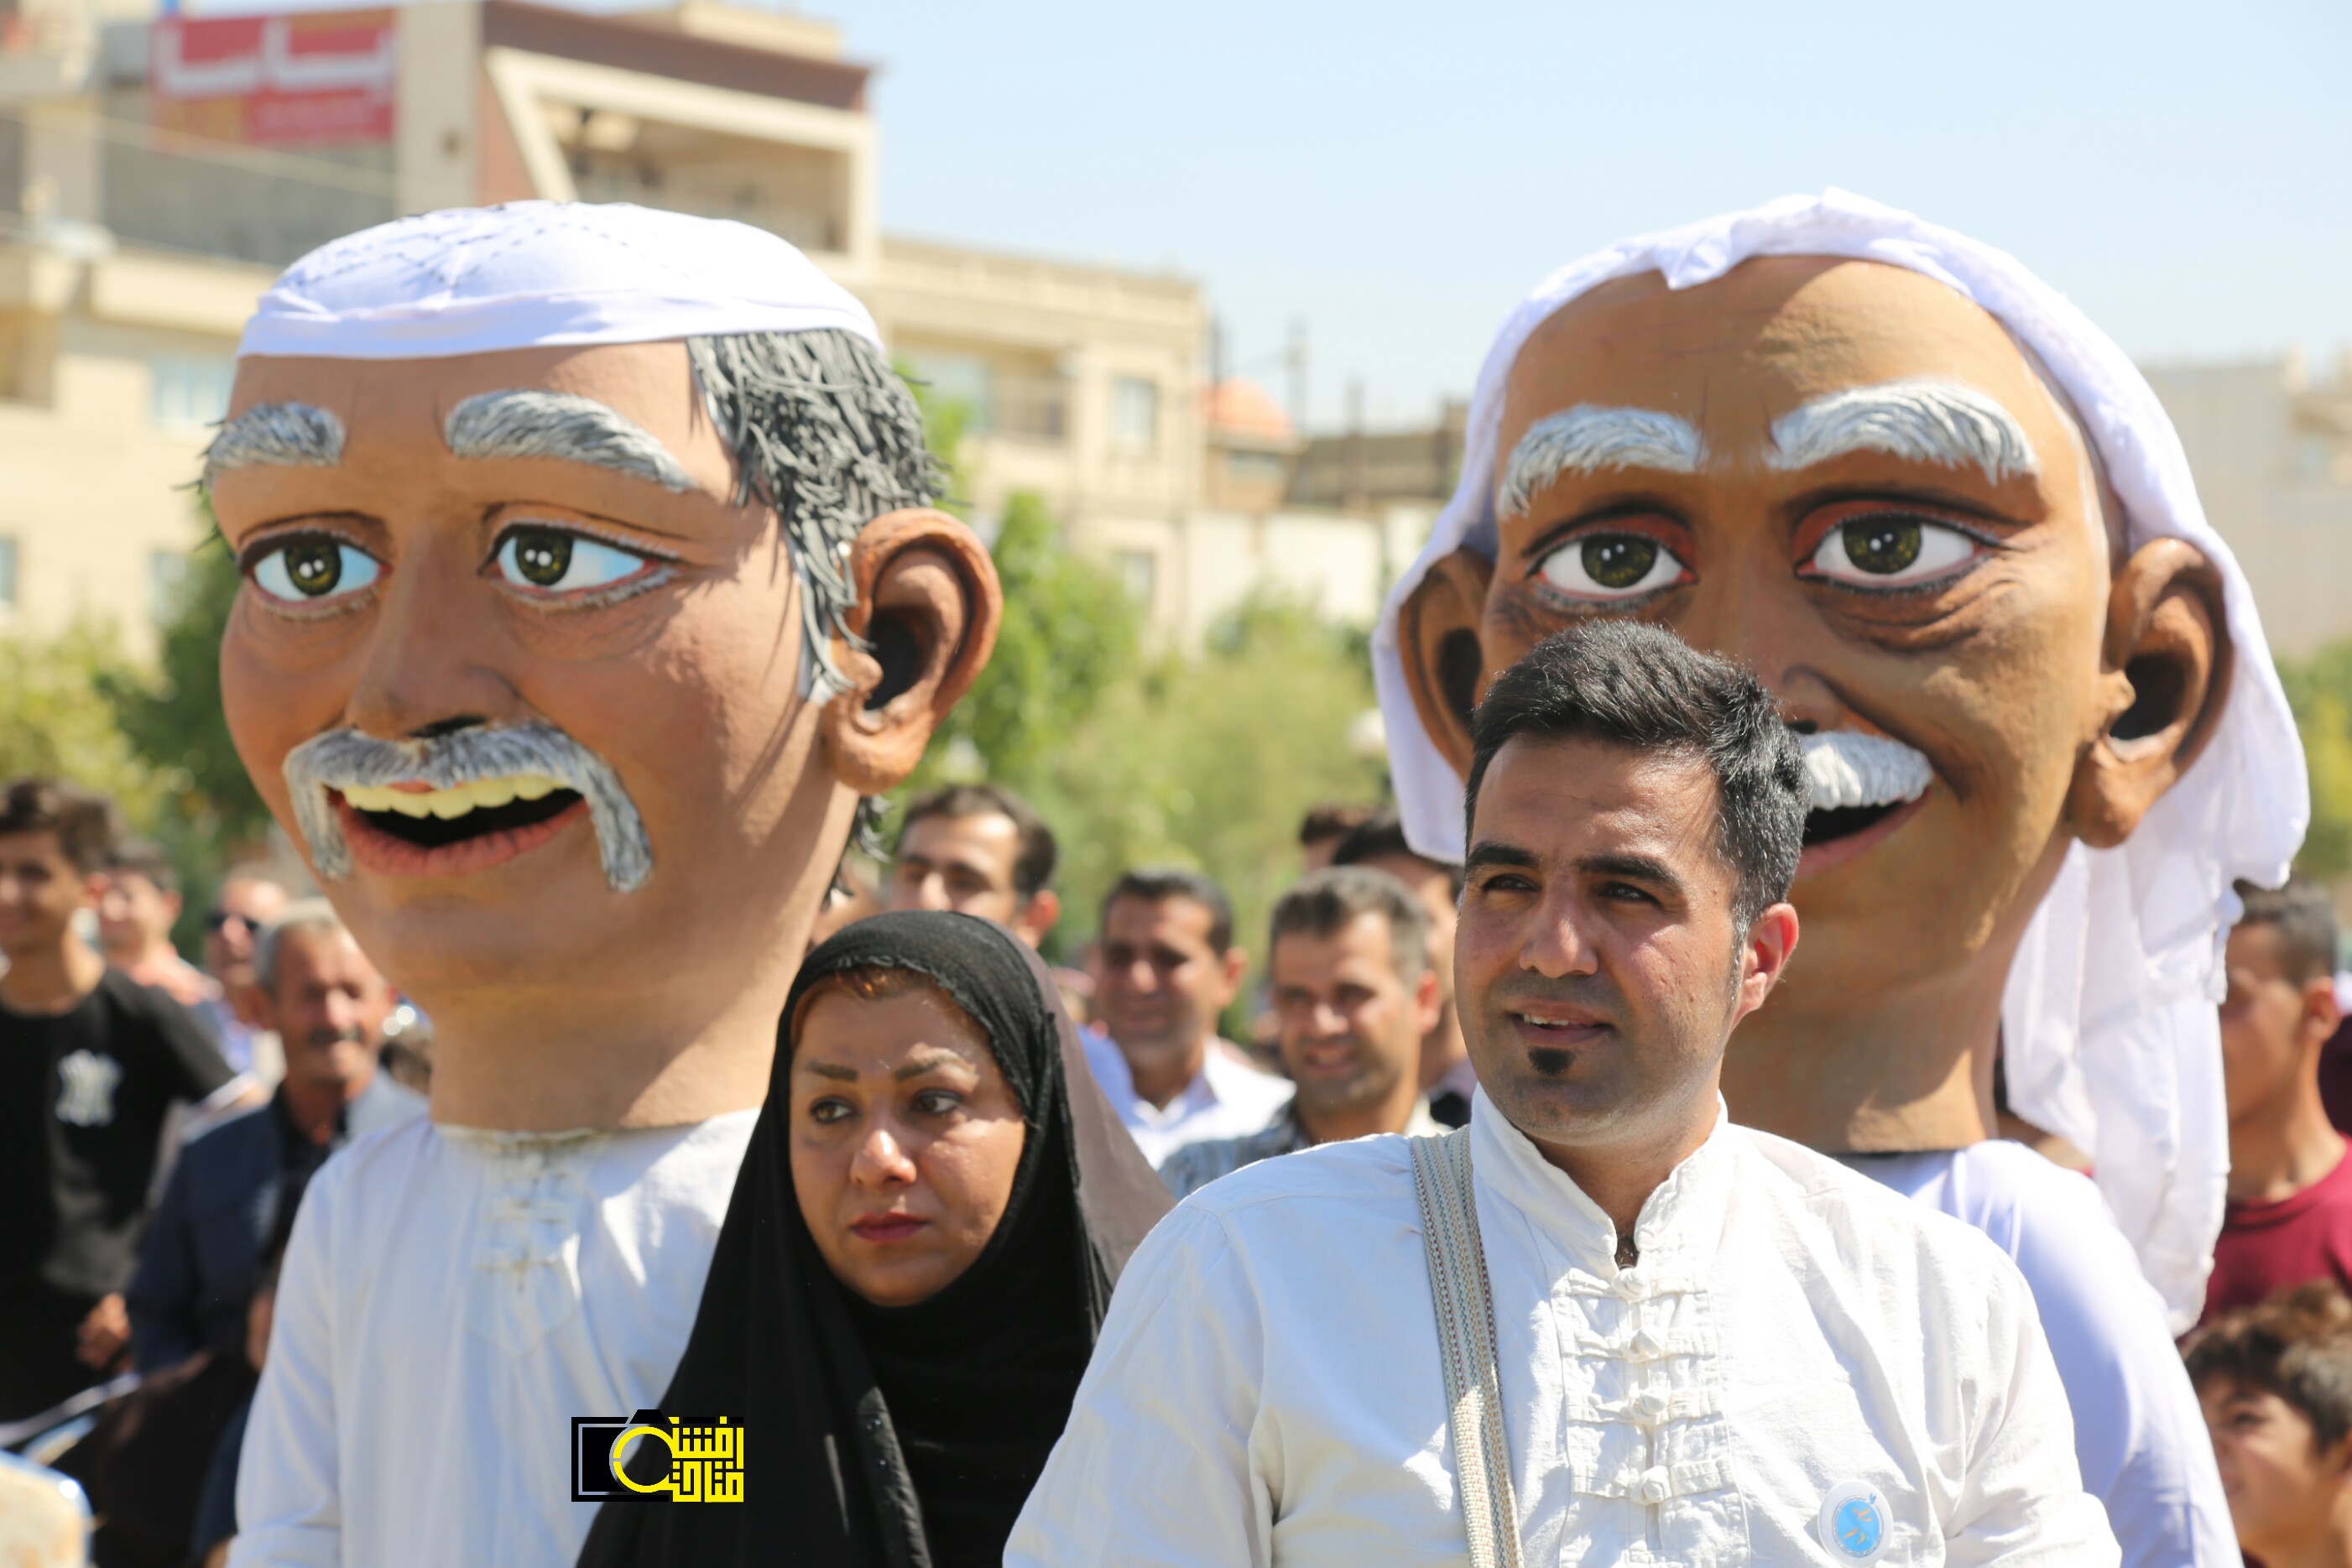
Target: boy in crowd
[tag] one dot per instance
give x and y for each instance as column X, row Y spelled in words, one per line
column 2290, row 1214
column 91, row 1064
column 2276, row 1384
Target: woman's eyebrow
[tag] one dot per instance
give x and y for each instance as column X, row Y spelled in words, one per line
column 930, row 1062
column 827, row 1070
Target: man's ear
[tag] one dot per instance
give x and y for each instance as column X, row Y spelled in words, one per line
column 2165, row 675
column 1444, row 665
column 1037, row 919
column 927, row 605
column 1425, row 1008
column 1764, row 957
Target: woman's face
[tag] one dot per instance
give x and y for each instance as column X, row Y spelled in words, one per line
column 905, row 1138
column 2284, row 1491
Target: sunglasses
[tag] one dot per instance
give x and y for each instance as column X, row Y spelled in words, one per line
column 219, row 920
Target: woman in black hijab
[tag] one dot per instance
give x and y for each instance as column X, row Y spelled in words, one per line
column 907, row 1435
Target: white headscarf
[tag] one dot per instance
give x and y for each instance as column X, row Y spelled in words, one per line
column 527, row 275
column 2109, row 1037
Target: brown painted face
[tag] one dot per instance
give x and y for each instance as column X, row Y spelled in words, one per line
column 1852, row 479
column 404, row 591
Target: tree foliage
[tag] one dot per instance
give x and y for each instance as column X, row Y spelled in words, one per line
column 56, row 721
column 175, row 717
column 1204, row 758
column 2320, row 691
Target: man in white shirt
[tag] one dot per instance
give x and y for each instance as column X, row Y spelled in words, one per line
column 566, row 532
column 1709, row 1345
column 1165, row 968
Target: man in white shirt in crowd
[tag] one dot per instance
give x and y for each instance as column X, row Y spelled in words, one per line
column 977, row 850
column 1165, row 968
column 1379, row 842
column 1354, row 990
column 1708, row 1344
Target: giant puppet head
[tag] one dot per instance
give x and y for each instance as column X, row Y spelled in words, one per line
column 1946, row 522
column 590, row 582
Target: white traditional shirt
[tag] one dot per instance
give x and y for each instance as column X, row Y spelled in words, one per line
column 1224, row 1100
column 450, row 1301
column 2139, row 1435
column 1268, row 1388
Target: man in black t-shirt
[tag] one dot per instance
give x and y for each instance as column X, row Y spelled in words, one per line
column 91, row 1064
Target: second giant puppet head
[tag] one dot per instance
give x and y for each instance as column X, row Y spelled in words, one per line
column 1944, row 518
column 590, row 582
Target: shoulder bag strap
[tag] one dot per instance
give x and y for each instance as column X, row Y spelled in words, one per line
column 1466, row 1334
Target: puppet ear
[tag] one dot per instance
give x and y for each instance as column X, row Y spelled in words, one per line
column 1437, row 636
column 927, row 606
column 2166, row 663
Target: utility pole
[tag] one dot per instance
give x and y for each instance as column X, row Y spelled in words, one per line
column 1296, row 356
column 1360, row 498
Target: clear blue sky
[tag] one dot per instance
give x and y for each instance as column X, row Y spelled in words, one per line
column 1398, row 175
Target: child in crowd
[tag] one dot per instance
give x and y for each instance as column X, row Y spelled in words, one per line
column 2276, row 1384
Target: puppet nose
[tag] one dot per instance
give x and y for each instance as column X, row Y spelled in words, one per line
column 429, row 668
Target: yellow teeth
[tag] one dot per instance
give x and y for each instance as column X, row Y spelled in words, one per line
column 449, row 803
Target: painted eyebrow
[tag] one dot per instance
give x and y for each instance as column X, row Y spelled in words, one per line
column 275, row 434
column 526, row 423
column 1589, row 437
column 827, row 1070
column 1926, row 420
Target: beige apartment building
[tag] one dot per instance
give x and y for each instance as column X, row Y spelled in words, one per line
column 155, row 171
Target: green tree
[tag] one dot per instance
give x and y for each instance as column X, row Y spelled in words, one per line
column 174, row 718
column 56, row 720
column 2319, row 689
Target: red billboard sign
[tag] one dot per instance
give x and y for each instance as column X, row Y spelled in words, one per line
column 314, row 78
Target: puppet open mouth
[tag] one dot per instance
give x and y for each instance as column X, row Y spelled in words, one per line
column 1845, row 821
column 444, row 817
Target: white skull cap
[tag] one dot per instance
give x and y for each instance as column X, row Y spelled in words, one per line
column 527, row 275
column 2109, row 1037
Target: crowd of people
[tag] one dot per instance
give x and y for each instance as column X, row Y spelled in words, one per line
column 138, row 1317
column 1765, row 1089
column 163, row 1120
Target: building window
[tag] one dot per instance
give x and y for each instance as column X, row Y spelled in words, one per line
column 1139, row 570
column 166, row 572
column 1255, row 467
column 190, row 392
column 1134, row 413
column 963, row 381
column 7, row 572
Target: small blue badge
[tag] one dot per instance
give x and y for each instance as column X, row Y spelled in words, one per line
column 1853, row 1522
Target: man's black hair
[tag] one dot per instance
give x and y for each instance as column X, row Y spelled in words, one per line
column 1636, row 685
column 2305, row 918
column 145, row 858
column 1324, row 902
column 1331, row 819
column 1159, row 884
column 85, row 825
column 1032, row 861
column 1381, row 835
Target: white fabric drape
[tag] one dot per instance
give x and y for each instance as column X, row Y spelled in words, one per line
column 2109, row 1033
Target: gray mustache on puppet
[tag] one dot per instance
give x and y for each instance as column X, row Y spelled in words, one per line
column 477, row 761
column 1846, row 768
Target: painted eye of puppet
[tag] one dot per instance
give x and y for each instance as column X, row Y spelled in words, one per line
column 314, row 571
column 1603, row 569
column 554, row 561
column 1890, row 552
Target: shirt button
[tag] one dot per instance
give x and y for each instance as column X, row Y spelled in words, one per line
column 1650, row 1404
column 1654, row 1487
column 1649, row 1344
column 1630, row 1284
